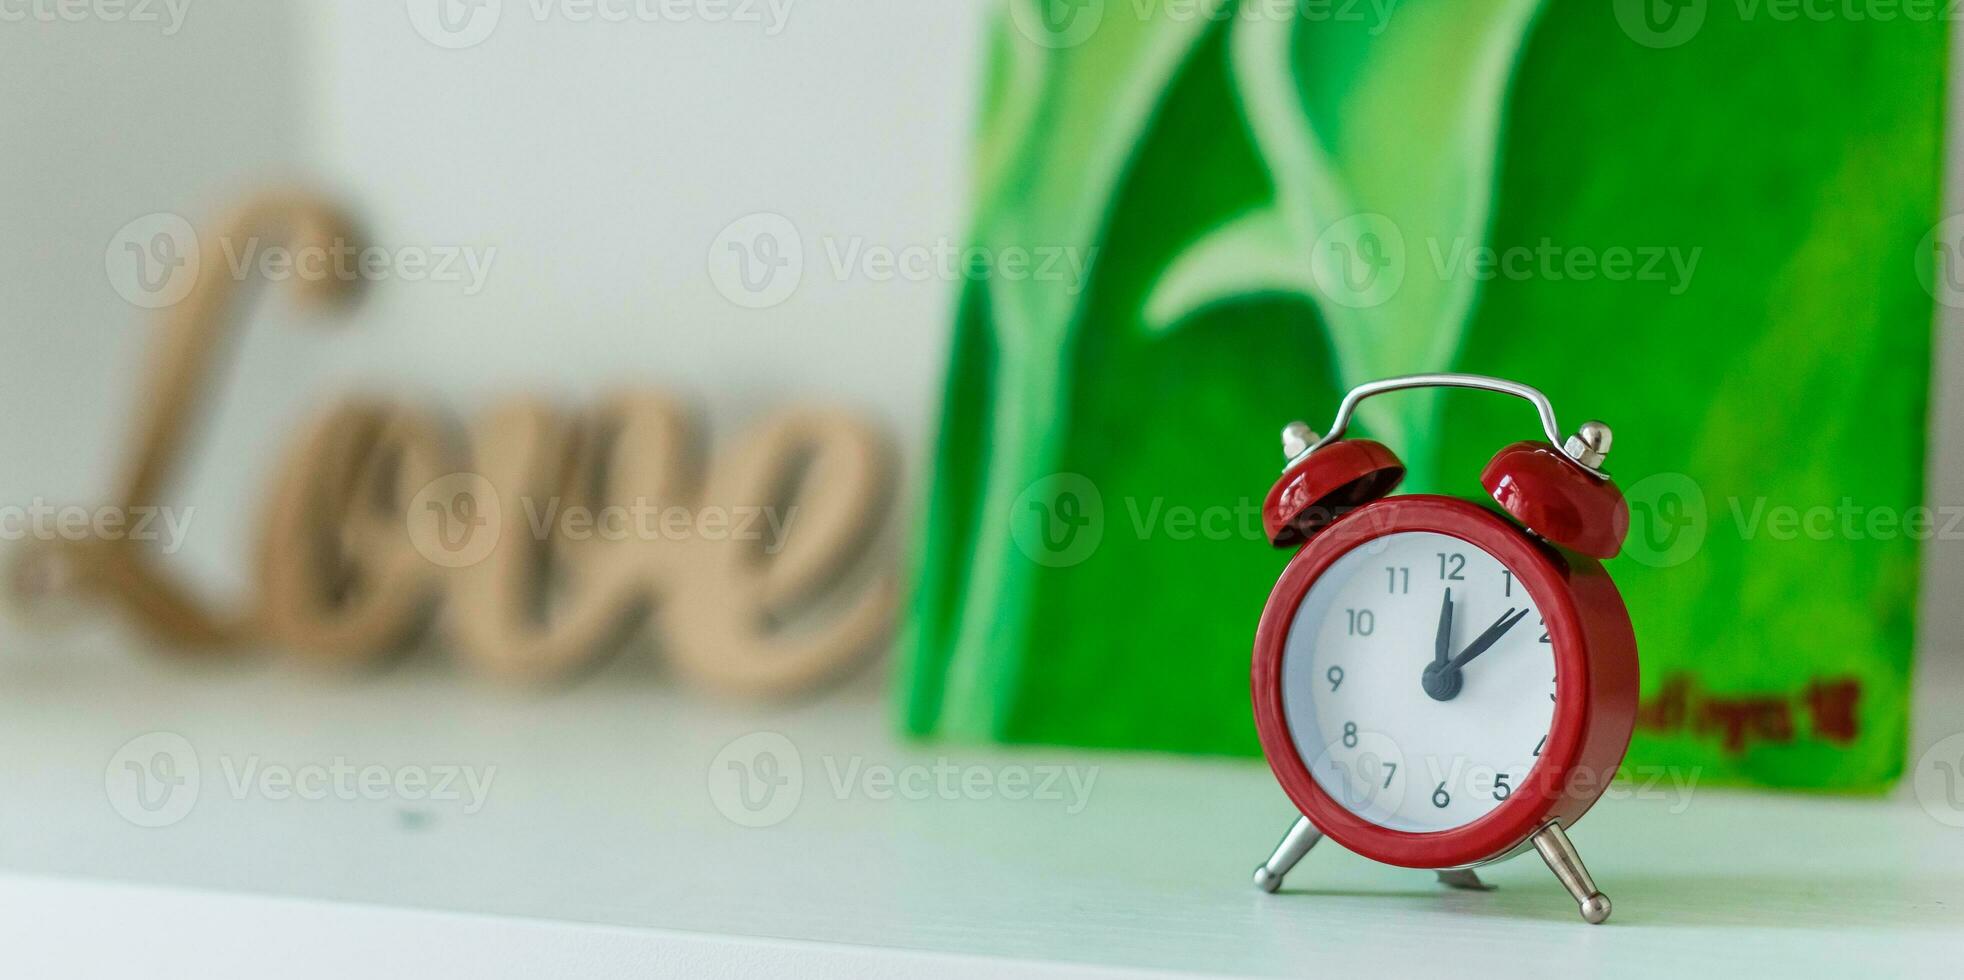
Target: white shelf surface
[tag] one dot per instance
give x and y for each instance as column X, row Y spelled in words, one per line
column 599, row 850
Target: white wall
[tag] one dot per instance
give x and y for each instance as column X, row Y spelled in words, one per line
column 104, row 122
column 599, row 160
column 602, row 160
column 1939, row 701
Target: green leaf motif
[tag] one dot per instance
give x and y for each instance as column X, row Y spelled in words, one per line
column 1381, row 140
column 1074, row 90
column 1272, row 211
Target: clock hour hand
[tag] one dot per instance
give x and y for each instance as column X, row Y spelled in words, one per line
column 1489, row 638
column 1442, row 645
column 1440, row 680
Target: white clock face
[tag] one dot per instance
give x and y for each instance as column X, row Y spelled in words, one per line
column 1409, row 726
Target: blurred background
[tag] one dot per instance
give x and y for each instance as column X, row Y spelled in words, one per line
column 932, row 272
column 518, row 135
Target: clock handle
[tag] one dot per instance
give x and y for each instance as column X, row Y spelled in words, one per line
column 1585, row 449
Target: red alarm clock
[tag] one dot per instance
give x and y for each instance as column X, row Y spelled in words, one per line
column 1438, row 685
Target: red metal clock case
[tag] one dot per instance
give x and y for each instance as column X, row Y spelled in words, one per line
column 1595, row 683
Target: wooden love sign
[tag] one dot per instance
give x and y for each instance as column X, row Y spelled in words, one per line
column 532, row 541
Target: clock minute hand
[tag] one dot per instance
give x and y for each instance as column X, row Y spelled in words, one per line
column 1490, row 637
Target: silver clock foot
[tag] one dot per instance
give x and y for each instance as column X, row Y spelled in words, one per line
column 1567, row 866
column 1302, row 836
column 1465, row 879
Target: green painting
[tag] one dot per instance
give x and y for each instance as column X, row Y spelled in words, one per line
column 1704, row 223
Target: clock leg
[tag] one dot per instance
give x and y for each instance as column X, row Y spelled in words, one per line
column 1567, row 866
column 1302, row 836
column 1464, row 878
